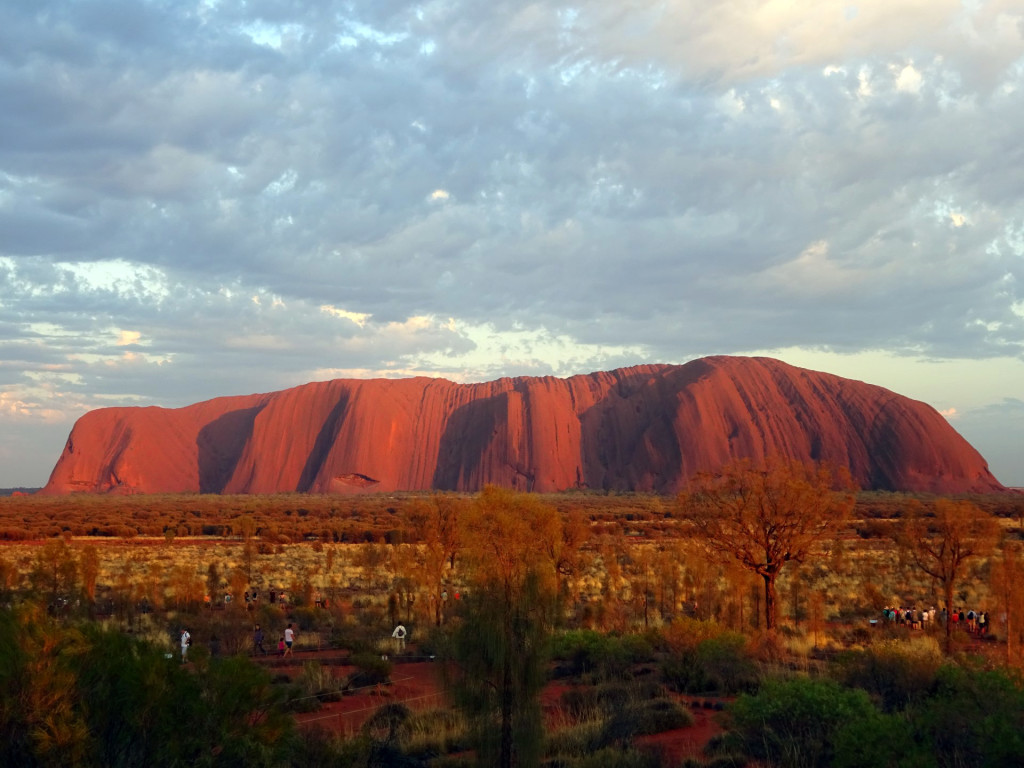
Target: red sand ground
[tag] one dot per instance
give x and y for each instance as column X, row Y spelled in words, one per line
column 417, row 686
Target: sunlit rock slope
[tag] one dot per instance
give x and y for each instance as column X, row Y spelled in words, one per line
column 647, row 428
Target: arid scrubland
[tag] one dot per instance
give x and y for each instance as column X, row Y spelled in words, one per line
column 627, row 562
column 635, row 608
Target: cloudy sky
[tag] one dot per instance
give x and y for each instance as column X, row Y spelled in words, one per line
column 224, row 197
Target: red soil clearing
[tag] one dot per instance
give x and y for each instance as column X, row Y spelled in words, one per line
column 417, row 686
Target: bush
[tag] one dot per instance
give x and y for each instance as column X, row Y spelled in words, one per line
column 575, row 741
column 879, row 739
column 435, row 732
column 607, row 656
column 727, row 666
column 580, row 703
column 388, row 724
column 319, row 681
column 660, row 715
column 371, row 669
column 717, row 664
column 685, row 634
column 974, row 717
column 797, row 722
column 585, row 650
column 896, row 674
column 307, row 618
column 354, row 638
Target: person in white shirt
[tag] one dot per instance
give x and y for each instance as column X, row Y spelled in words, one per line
column 399, row 635
column 289, row 638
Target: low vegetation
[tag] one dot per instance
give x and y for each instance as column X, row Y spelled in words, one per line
column 567, row 631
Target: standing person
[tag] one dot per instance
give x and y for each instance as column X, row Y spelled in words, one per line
column 257, row 641
column 399, row 635
column 289, row 638
column 186, row 641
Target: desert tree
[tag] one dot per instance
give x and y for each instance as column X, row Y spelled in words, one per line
column 942, row 539
column 432, row 525
column 640, row 572
column 10, row 577
column 89, row 567
column 186, row 585
column 54, row 573
column 569, row 557
column 213, row 583
column 765, row 516
column 499, row 644
column 40, row 717
column 373, row 561
column 238, row 582
column 668, row 574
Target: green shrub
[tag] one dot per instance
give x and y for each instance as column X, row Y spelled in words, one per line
column 660, row 715
column 354, row 637
column 639, row 718
column 724, row 750
column 797, row 722
column 879, row 739
column 371, row 669
column 435, row 732
column 580, row 702
column 896, row 674
column 307, row 618
column 297, row 699
column 576, row 740
column 319, row 682
column 388, row 724
column 607, row 656
column 718, row 664
column 974, row 717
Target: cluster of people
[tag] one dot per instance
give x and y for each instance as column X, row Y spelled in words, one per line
column 976, row 622
column 284, row 644
column 915, row 618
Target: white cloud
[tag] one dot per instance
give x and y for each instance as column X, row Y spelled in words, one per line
column 908, row 79
column 814, row 272
column 359, row 318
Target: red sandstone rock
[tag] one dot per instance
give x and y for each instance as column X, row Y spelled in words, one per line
column 648, row 428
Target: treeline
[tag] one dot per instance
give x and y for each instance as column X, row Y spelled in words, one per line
column 293, row 517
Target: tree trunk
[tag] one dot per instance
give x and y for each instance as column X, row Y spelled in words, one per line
column 769, row 601
column 506, row 715
column 947, row 597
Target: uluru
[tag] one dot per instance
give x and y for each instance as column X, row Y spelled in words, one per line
column 647, row 428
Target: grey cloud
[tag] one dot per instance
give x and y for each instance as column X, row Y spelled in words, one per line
column 995, row 431
column 609, row 175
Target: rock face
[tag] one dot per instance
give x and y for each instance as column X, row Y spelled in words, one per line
column 648, row 428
